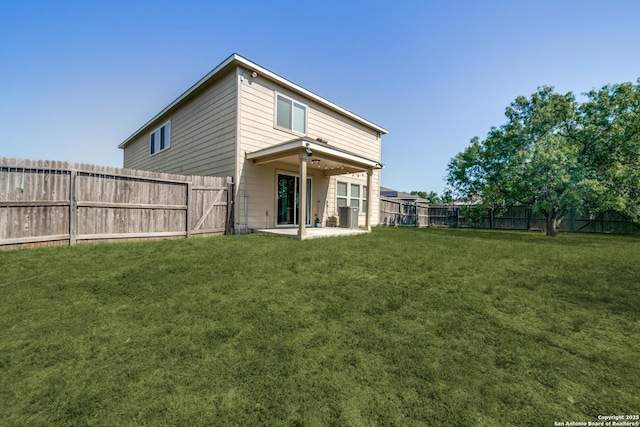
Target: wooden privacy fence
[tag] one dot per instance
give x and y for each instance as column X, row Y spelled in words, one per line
column 46, row 202
column 411, row 214
column 400, row 213
column 524, row 218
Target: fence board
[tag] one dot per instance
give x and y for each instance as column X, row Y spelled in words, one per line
column 399, row 213
column 45, row 201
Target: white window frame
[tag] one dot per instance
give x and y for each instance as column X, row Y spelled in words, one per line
column 156, row 142
column 349, row 199
column 291, row 118
column 363, row 199
column 309, row 212
column 345, row 197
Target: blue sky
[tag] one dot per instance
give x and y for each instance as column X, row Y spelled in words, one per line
column 77, row 78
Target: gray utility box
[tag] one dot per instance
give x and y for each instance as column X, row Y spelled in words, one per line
column 348, row 217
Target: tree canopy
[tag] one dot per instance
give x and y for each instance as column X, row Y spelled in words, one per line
column 610, row 143
column 555, row 154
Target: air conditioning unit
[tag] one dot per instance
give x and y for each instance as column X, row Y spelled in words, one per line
column 348, row 216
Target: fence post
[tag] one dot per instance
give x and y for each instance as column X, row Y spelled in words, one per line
column 73, row 208
column 189, row 208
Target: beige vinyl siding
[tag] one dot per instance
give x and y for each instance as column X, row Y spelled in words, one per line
column 203, row 136
column 257, row 131
column 352, row 137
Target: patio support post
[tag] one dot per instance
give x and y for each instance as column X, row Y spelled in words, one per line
column 302, row 217
column 367, row 223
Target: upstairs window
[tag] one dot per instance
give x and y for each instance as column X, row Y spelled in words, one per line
column 160, row 139
column 291, row 115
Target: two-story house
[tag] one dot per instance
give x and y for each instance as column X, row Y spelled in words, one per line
column 284, row 146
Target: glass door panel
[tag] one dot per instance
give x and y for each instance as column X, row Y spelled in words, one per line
column 288, row 200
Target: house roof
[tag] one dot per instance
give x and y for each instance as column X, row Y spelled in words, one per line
column 401, row 195
column 331, row 160
column 387, row 192
column 236, row 60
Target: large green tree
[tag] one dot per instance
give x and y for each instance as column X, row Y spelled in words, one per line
column 609, row 137
column 531, row 160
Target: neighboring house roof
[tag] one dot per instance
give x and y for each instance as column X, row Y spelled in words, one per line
column 401, row 195
column 387, row 192
column 236, row 60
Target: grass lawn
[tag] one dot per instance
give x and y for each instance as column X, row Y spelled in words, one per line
column 398, row 327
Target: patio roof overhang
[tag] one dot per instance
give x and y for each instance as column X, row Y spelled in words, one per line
column 323, row 157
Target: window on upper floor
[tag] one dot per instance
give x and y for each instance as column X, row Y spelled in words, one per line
column 291, row 115
column 160, row 138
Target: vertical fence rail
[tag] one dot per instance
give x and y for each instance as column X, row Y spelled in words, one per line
column 44, row 202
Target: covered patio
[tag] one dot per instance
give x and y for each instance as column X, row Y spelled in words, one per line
column 324, row 158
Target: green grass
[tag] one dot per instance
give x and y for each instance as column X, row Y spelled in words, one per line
column 399, row 327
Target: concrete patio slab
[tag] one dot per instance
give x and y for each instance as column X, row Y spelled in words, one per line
column 312, row 233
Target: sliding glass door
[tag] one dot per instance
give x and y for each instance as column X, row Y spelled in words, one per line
column 288, row 210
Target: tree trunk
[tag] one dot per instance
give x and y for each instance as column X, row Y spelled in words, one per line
column 553, row 222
